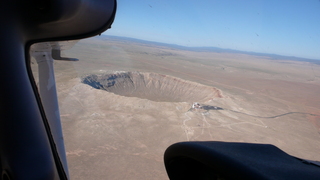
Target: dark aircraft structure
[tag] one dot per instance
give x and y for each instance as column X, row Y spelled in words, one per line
column 31, row 140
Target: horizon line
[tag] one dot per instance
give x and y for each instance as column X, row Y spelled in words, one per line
column 212, row 48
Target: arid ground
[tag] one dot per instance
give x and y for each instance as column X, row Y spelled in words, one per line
column 124, row 102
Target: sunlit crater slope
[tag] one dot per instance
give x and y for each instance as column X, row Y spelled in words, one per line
column 152, row 86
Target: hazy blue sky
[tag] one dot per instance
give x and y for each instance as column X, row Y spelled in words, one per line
column 286, row 27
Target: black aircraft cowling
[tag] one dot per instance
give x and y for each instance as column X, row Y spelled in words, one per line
column 223, row 160
column 56, row 20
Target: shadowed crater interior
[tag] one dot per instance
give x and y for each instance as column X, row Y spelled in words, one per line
column 152, row 86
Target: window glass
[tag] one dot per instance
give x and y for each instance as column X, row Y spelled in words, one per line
column 171, row 71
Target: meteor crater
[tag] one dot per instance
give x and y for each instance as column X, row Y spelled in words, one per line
column 152, row 86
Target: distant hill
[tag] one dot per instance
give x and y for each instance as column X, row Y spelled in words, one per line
column 210, row 49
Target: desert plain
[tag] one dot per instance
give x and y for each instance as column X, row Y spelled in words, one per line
column 125, row 101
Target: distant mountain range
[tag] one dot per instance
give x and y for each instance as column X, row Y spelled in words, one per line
column 211, row 49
